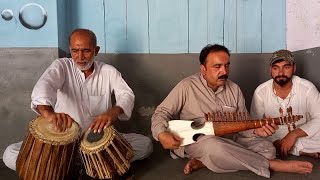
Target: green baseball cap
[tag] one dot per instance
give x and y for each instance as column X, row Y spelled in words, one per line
column 282, row 54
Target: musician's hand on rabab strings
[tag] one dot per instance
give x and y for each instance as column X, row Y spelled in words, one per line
column 60, row 121
column 266, row 130
column 169, row 140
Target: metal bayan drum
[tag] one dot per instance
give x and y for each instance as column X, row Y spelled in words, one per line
column 46, row 154
column 106, row 154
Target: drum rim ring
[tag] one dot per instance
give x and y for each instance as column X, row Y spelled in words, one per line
column 40, row 136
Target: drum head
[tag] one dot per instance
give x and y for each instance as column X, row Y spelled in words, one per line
column 95, row 142
column 42, row 129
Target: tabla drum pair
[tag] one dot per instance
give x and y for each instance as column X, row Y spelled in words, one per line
column 106, row 154
column 45, row 153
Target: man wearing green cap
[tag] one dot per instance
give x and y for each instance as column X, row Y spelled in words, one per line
column 275, row 97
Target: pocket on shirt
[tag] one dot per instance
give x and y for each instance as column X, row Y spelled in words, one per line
column 97, row 105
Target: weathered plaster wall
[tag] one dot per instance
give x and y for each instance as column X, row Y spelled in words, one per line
column 303, row 24
column 20, row 69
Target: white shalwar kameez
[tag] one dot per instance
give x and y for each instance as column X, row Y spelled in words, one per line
column 64, row 87
column 304, row 99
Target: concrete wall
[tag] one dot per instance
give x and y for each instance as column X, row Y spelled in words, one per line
column 20, row 69
column 151, row 76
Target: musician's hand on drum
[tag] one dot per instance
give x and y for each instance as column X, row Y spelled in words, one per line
column 61, row 121
column 169, row 140
column 102, row 121
column 266, row 130
column 106, row 119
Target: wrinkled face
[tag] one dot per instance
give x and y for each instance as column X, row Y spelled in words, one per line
column 83, row 50
column 282, row 72
column 216, row 69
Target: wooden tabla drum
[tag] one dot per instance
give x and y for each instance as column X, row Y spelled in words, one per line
column 106, row 154
column 45, row 153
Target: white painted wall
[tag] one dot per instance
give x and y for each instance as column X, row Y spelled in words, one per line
column 303, row 24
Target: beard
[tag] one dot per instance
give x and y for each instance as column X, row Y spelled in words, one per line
column 86, row 66
column 282, row 80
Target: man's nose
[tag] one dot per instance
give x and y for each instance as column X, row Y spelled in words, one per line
column 281, row 72
column 224, row 70
column 81, row 55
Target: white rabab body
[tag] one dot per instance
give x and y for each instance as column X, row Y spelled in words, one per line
column 221, row 123
column 183, row 129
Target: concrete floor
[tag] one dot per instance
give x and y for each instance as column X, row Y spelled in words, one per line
column 159, row 166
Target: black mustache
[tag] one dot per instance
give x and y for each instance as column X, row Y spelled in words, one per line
column 283, row 76
column 223, row 77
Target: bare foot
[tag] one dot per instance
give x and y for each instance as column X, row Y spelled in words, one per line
column 314, row 155
column 302, row 167
column 192, row 165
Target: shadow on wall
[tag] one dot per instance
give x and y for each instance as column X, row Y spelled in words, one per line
column 248, row 71
column 152, row 76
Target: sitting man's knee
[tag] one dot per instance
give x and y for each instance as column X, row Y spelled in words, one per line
column 143, row 147
column 10, row 156
column 214, row 143
column 148, row 146
column 266, row 149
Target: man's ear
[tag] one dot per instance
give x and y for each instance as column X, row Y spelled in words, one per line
column 97, row 50
column 203, row 69
column 294, row 68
